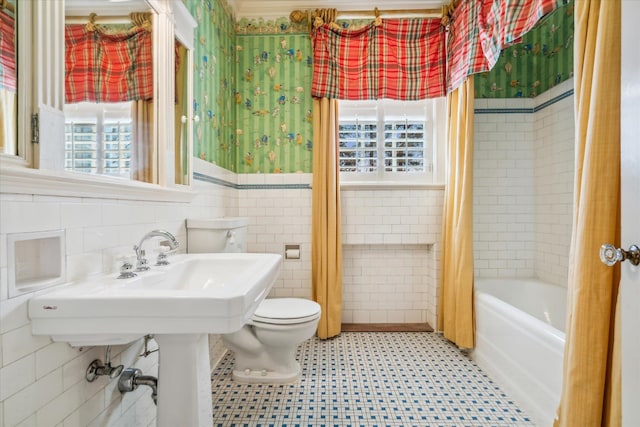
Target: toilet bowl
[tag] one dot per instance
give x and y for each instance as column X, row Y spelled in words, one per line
column 265, row 348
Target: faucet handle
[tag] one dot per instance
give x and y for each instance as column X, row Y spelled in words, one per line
column 126, row 269
column 142, row 264
column 162, row 255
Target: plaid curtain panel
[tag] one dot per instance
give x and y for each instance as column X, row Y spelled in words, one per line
column 480, row 29
column 505, row 22
column 400, row 59
column 464, row 51
column 7, row 52
column 103, row 66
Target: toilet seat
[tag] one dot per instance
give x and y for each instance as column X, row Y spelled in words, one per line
column 286, row 311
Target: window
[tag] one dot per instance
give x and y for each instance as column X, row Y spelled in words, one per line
column 98, row 138
column 387, row 140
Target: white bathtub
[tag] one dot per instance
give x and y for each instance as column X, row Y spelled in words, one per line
column 520, row 339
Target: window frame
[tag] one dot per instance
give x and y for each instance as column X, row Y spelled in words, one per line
column 101, row 116
column 386, row 111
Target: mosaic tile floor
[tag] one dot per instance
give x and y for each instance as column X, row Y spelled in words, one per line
column 370, row 379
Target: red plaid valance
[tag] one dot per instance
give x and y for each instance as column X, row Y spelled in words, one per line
column 480, row 29
column 464, row 51
column 399, row 59
column 7, row 52
column 102, row 66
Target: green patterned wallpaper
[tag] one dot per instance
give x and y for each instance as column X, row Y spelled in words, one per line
column 252, row 91
column 252, row 84
column 214, row 82
column 543, row 59
column 273, row 104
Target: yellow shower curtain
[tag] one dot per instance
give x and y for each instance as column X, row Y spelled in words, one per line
column 591, row 380
column 455, row 305
column 326, row 239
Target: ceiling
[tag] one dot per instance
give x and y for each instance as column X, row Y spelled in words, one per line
column 270, row 9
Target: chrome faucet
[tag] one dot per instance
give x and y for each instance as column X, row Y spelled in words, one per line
column 171, row 242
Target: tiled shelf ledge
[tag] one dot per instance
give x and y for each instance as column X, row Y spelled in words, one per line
column 391, row 245
column 393, row 185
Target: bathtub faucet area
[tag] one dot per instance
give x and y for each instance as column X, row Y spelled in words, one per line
column 141, row 261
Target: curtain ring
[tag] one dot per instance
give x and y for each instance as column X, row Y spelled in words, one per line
column 91, row 25
column 378, row 20
column 141, row 19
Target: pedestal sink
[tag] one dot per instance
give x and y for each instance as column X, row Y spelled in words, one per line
column 197, row 294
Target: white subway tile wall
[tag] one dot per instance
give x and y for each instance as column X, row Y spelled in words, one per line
column 387, row 283
column 391, row 238
column 277, row 217
column 554, row 178
column 523, row 188
column 404, row 224
column 43, row 383
column 504, row 194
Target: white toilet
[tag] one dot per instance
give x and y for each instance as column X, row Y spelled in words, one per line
column 265, row 348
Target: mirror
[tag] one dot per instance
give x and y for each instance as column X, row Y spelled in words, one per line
column 88, row 134
column 109, row 90
column 183, row 112
column 182, row 153
column 8, row 79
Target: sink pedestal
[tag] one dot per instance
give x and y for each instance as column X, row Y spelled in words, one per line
column 184, row 381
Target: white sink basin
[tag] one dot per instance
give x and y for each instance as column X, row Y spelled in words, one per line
column 196, row 293
column 180, row 304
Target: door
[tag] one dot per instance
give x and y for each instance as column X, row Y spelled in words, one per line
column 630, row 152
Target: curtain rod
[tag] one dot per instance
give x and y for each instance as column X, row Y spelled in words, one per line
column 433, row 13
column 378, row 12
column 124, row 19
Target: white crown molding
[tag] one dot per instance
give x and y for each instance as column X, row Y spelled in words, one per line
column 104, row 7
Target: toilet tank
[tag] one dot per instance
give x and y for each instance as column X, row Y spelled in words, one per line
column 226, row 234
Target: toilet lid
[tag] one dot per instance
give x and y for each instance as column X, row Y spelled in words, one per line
column 286, row 310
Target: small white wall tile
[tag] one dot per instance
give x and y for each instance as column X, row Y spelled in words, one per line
column 83, row 265
column 75, row 370
column 27, row 217
column 526, row 175
column 53, row 356
column 4, row 285
column 86, row 413
column 48, row 387
column 20, row 342
column 75, row 215
column 20, row 405
column 16, row 376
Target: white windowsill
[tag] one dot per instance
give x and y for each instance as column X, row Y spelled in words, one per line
column 18, row 180
column 388, row 185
